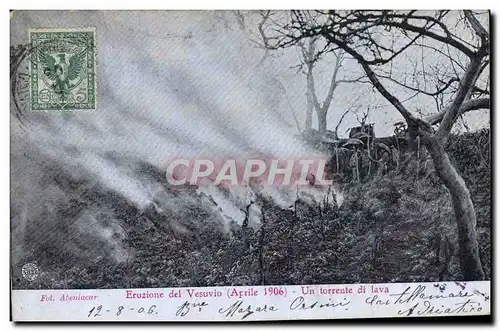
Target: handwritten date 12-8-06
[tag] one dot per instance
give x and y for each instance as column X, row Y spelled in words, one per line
column 118, row 311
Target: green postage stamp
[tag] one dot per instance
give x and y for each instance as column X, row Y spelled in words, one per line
column 63, row 69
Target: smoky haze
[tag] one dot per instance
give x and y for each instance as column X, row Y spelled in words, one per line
column 170, row 84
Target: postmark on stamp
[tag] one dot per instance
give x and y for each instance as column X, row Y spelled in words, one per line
column 63, row 69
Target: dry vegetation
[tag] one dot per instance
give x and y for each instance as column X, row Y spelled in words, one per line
column 390, row 228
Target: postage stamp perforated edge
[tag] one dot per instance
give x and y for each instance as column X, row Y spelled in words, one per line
column 95, row 67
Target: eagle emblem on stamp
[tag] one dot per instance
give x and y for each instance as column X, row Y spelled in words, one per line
column 63, row 69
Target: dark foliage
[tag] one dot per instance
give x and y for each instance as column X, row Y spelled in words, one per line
column 395, row 226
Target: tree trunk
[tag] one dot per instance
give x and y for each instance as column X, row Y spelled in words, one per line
column 310, row 86
column 321, row 120
column 310, row 107
column 463, row 208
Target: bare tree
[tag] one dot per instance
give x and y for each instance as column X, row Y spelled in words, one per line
column 377, row 40
column 252, row 24
column 309, row 58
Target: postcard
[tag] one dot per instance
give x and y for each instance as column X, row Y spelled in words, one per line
column 259, row 165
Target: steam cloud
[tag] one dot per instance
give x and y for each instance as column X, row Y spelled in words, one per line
column 170, row 85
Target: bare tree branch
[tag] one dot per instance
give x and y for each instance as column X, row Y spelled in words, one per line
column 265, row 16
column 333, row 83
column 340, row 122
column 297, row 124
column 466, row 84
column 415, row 89
column 478, row 28
column 309, row 58
column 469, row 105
column 386, row 94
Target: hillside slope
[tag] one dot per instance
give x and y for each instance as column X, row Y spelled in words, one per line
column 392, row 227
